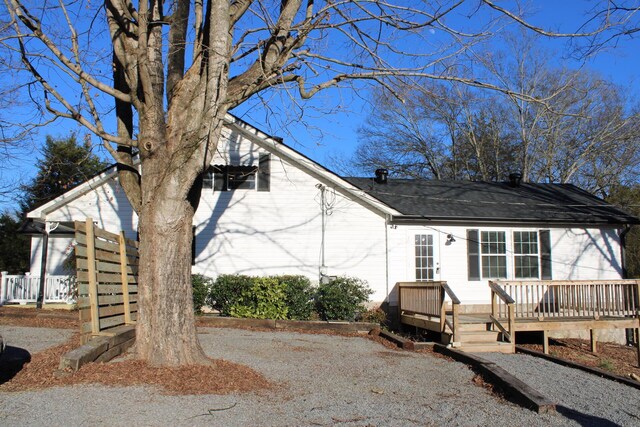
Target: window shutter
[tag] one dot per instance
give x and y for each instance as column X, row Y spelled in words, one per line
column 473, row 254
column 545, row 255
column 264, row 172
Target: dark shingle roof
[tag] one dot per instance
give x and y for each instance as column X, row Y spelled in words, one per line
column 493, row 201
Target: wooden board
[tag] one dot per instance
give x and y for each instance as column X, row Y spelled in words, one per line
column 115, row 309
column 83, row 277
column 107, row 299
column 83, row 289
column 132, row 259
column 105, row 267
column 100, row 244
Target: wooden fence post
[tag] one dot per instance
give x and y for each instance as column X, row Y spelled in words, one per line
column 93, row 283
column 512, row 326
column 443, row 310
column 124, row 278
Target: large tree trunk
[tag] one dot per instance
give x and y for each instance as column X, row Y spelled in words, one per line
column 166, row 333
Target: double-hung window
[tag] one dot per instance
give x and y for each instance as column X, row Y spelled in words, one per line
column 526, row 255
column 493, row 246
column 497, row 254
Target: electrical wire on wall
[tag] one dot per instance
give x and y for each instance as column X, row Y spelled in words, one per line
column 327, row 204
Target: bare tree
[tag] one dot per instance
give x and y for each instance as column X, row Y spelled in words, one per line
column 438, row 130
column 576, row 134
column 174, row 69
column 571, row 126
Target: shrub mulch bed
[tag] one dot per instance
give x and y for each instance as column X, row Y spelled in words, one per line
column 19, row 316
column 617, row 358
column 221, row 377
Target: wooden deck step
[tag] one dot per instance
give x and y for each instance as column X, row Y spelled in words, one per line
column 483, row 347
column 471, row 327
column 478, row 337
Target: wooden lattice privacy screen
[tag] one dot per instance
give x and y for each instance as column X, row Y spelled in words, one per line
column 107, row 276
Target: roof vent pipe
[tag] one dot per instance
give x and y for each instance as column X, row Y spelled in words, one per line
column 515, row 179
column 381, row 176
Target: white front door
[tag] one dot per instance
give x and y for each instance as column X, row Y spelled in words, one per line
column 425, row 264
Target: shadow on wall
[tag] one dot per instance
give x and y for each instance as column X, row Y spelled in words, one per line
column 212, row 238
column 601, row 242
column 255, row 238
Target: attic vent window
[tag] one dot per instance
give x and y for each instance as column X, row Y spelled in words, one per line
column 237, row 177
column 230, row 177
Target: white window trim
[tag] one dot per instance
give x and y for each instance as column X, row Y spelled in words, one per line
column 510, row 252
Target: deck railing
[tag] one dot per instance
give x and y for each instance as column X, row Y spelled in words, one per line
column 501, row 299
column 561, row 299
column 23, row 289
column 428, row 299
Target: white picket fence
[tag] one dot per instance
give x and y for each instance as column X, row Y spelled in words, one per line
column 24, row 289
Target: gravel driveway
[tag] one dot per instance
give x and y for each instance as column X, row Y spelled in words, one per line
column 587, row 398
column 323, row 380
column 34, row 339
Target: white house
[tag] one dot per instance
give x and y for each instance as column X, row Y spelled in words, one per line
column 267, row 209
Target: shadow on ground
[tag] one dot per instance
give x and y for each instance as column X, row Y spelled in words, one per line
column 584, row 420
column 11, row 362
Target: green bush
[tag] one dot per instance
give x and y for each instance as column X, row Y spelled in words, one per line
column 266, row 299
column 227, row 291
column 342, row 298
column 298, row 296
column 201, row 285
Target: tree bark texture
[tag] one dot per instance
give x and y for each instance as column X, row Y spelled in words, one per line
column 166, row 333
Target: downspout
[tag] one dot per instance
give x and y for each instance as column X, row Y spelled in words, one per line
column 323, row 267
column 386, row 258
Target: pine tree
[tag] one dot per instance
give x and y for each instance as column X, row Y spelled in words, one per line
column 14, row 246
column 64, row 164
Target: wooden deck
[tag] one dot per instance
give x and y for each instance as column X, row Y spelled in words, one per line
column 522, row 306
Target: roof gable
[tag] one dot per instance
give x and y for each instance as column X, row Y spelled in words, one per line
column 263, row 140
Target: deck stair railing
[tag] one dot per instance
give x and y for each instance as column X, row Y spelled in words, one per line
column 428, row 299
column 503, row 310
column 565, row 299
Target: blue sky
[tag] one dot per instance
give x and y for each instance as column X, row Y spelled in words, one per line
column 326, row 137
column 332, row 118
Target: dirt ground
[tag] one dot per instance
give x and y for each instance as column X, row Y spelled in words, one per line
column 615, row 358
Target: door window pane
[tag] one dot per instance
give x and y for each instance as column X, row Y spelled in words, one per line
column 424, row 257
